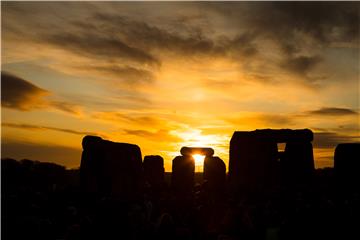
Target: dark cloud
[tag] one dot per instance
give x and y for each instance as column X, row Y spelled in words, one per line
column 333, row 111
column 20, row 94
column 192, row 42
column 115, row 39
column 99, row 46
column 324, row 21
column 37, row 127
column 301, row 65
column 308, row 26
column 149, row 37
column 332, row 139
column 128, row 75
column 283, row 21
column 300, row 30
column 296, row 28
column 66, row 156
column 242, row 44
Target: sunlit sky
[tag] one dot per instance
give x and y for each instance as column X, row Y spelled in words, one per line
column 167, row 75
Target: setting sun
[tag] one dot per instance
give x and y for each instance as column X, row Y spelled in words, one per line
column 199, row 159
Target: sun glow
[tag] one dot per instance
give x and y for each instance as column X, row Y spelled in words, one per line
column 196, row 138
column 199, row 159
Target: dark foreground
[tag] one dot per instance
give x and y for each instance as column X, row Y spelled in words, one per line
column 43, row 201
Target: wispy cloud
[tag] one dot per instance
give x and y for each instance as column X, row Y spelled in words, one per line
column 42, row 128
column 99, row 46
column 142, row 119
column 159, row 135
column 129, row 75
column 332, row 139
column 261, row 120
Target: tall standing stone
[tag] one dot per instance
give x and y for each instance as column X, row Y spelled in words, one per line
column 154, row 171
column 347, row 163
column 298, row 161
column 252, row 161
column 90, row 165
column 215, row 174
column 183, row 173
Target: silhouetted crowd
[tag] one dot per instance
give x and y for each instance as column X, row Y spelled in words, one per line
column 44, row 201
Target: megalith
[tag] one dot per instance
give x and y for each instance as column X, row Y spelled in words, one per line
column 255, row 161
column 347, row 163
column 214, row 174
column 154, row 171
column 183, row 173
column 110, row 168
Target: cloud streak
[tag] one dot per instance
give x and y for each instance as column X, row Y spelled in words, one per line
column 159, row 135
column 99, row 46
column 261, row 120
column 333, row 111
column 139, row 119
column 332, row 139
column 129, row 75
column 43, row 128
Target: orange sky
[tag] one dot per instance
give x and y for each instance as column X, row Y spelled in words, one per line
column 167, row 75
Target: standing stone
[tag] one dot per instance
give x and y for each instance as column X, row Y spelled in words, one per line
column 252, row 161
column 347, row 163
column 297, row 162
column 154, row 171
column 183, row 173
column 215, row 174
column 110, row 168
column 90, row 165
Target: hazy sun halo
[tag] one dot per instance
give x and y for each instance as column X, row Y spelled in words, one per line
column 199, row 159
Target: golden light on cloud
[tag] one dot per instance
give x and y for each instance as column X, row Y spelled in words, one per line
column 195, row 138
column 167, row 84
